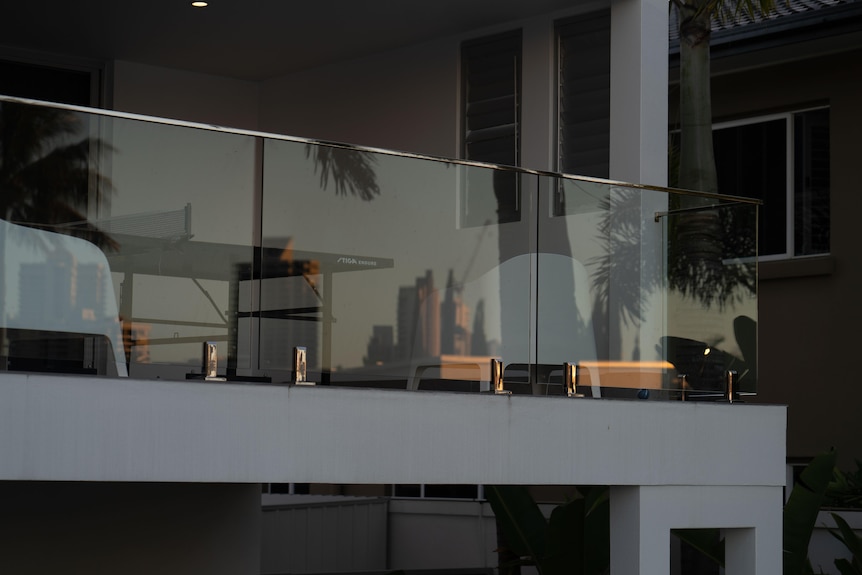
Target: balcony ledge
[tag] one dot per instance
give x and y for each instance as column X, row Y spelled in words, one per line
column 100, row 429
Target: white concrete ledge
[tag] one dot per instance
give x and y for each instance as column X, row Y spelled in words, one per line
column 75, row 428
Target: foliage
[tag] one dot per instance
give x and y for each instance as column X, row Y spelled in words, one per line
column 853, row 542
column 698, row 268
column 800, row 515
column 722, row 10
column 621, row 227
column 801, row 509
column 47, row 176
column 574, row 541
column 576, row 538
column 845, row 490
column 352, row 171
column 699, row 247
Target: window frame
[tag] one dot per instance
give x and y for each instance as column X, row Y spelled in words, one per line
column 472, row 209
column 515, row 37
column 563, row 30
column 788, row 117
column 100, row 72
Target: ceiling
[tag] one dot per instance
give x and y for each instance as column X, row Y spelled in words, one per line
column 246, row 39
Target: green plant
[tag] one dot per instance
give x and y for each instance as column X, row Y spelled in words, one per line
column 853, row 542
column 845, row 490
column 801, row 509
column 800, row 515
column 575, row 540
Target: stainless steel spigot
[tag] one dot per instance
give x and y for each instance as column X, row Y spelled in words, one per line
column 730, row 385
column 570, row 379
column 209, row 362
column 300, row 366
column 497, row 377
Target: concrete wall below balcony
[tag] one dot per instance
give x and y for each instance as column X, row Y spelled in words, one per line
column 85, row 429
column 671, row 465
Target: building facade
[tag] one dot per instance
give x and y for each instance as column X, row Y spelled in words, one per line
column 178, row 452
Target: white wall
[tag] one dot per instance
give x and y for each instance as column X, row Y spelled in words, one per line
column 428, row 534
column 406, row 100
column 190, row 96
column 825, row 548
column 71, row 428
column 303, row 537
column 409, row 100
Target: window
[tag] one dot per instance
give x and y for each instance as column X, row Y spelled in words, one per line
column 783, row 160
column 67, row 85
column 491, row 92
column 584, row 94
column 444, row 491
column 491, row 117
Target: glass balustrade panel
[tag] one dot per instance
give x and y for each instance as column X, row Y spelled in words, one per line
column 628, row 291
column 129, row 244
column 127, row 229
column 392, row 271
column 711, row 275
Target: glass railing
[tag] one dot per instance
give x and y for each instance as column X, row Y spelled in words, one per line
column 155, row 249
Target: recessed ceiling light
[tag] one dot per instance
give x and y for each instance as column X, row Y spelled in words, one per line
column 200, row 4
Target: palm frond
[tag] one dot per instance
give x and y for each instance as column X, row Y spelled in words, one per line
column 352, row 171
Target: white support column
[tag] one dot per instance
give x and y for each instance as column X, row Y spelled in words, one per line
column 638, row 148
column 636, row 543
column 741, row 552
column 639, row 78
column 642, row 518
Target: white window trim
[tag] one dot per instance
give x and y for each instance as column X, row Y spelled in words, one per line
column 790, row 215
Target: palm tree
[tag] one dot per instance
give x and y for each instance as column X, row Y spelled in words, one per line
column 695, row 19
column 47, row 177
column 352, row 171
column 703, row 236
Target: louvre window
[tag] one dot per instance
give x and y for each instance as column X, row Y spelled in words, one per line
column 584, row 94
column 491, row 99
column 491, row 115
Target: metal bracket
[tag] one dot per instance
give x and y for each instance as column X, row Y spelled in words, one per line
column 497, row 377
column 300, row 366
column 730, row 385
column 570, row 379
column 209, row 362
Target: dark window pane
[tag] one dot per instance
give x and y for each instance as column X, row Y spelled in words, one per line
column 584, row 54
column 44, row 83
column 811, row 182
column 491, row 98
column 408, row 490
column 751, row 161
column 452, row 491
column 491, row 94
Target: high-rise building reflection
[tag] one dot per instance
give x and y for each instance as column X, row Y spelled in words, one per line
column 429, row 324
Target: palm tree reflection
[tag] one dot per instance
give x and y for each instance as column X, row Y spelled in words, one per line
column 351, row 171
column 47, row 176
